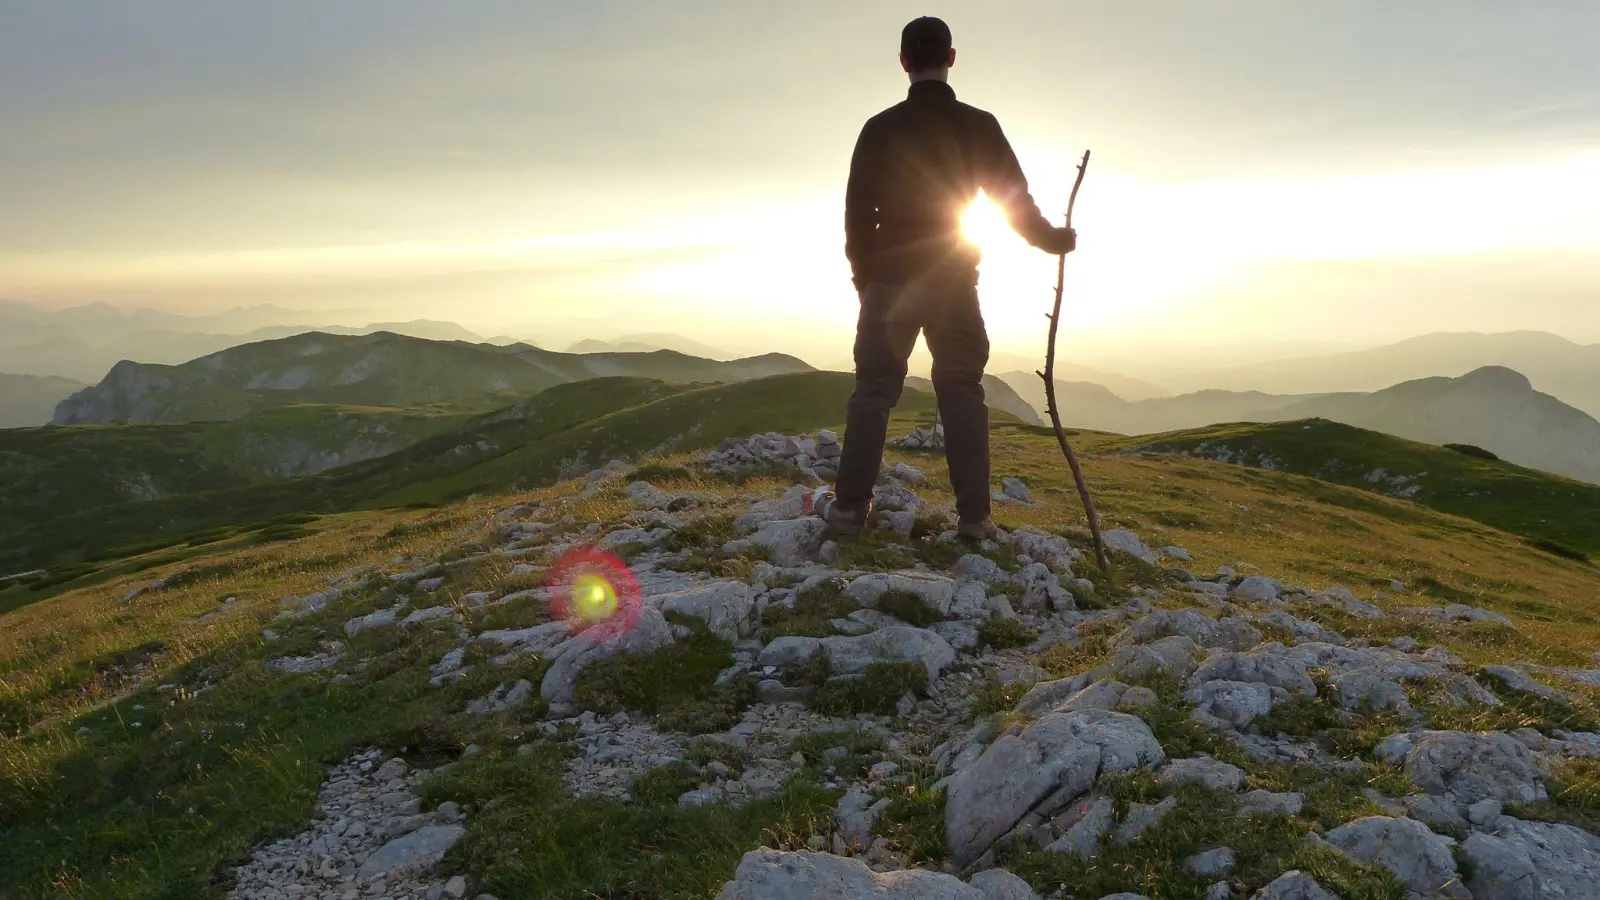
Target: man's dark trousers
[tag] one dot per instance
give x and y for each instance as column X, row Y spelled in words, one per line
column 946, row 311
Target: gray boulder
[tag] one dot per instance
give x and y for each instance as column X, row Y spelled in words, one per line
column 776, row 875
column 789, row 650
column 935, row 590
column 982, row 569
column 413, row 853
column 727, row 607
column 1269, row 664
column 1141, row 816
column 998, row 884
column 1421, row 859
column 852, row 655
column 1518, row 680
column 1258, row 589
column 1066, row 752
column 1267, row 803
column 1042, row 590
column 1464, row 768
column 1204, row 771
column 1295, row 885
column 1083, row 825
column 1172, row 657
column 1367, row 690
column 1533, row 860
column 1212, row 863
column 791, row 542
column 1123, row 541
column 1229, row 705
column 383, row 618
column 1520, row 860
column 650, row 632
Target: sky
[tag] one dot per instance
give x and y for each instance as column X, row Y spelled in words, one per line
column 1266, row 173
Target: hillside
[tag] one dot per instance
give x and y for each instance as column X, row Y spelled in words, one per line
column 1555, row 365
column 1094, row 406
column 650, row 343
column 998, row 396
column 535, row 442
column 1019, row 372
column 1494, row 408
column 1329, row 698
column 46, row 472
column 1508, row 497
column 31, row 399
column 380, row 369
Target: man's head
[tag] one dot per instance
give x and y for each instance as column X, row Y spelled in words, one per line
column 925, row 49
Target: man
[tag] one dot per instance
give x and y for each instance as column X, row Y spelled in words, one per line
column 917, row 167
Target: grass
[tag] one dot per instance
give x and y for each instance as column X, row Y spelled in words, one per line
column 1152, row 864
column 1004, row 634
column 538, row 842
column 1458, row 479
column 163, row 809
column 813, row 610
column 1574, row 797
column 909, row 608
column 876, row 692
column 676, row 684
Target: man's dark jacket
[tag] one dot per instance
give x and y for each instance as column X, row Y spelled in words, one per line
column 917, row 167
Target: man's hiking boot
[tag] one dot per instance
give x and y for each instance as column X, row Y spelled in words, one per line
column 844, row 522
column 985, row 530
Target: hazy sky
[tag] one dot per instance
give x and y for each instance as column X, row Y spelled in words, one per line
column 1265, row 170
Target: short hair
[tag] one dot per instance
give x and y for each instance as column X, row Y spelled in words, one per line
column 926, row 44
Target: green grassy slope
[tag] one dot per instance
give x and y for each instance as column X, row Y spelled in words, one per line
column 164, row 808
column 46, row 472
column 379, row 369
column 564, row 431
column 1536, row 505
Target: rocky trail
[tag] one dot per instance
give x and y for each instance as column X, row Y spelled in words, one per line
column 999, row 722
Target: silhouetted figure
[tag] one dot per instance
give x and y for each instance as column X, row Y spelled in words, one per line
column 917, row 167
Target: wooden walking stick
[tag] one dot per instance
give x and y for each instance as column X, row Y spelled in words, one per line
column 1049, row 376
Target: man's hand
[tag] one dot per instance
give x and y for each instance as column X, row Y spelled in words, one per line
column 1063, row 241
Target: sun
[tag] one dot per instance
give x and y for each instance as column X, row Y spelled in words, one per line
column 985, row 225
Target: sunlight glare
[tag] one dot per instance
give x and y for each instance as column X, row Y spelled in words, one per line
column 985, row 225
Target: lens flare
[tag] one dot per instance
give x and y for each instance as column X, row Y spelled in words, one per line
column 594, row 590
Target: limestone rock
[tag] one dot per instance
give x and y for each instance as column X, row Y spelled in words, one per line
column 777, row 875
column 791, row 542
column 1520, row 860
column 1258, row 589
column 416, row 852
column 1064, row 752
column 852, row 655
column 1204, row 771
column 726, row 607
column 1229, row 705
column 935, row 590
column 1143, row 815
column 1465, row 768
column 1267, row 803
column 1421, row 859
column 650, row 632
column 1295, row 885
column 1211, row 863
column 998, row 884
column 1084, row 824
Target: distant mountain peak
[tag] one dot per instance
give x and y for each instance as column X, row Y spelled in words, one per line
column 1501, row 377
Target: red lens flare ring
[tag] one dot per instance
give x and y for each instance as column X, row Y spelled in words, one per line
column 594, row 590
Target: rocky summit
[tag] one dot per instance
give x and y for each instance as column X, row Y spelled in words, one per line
column 905, row 715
